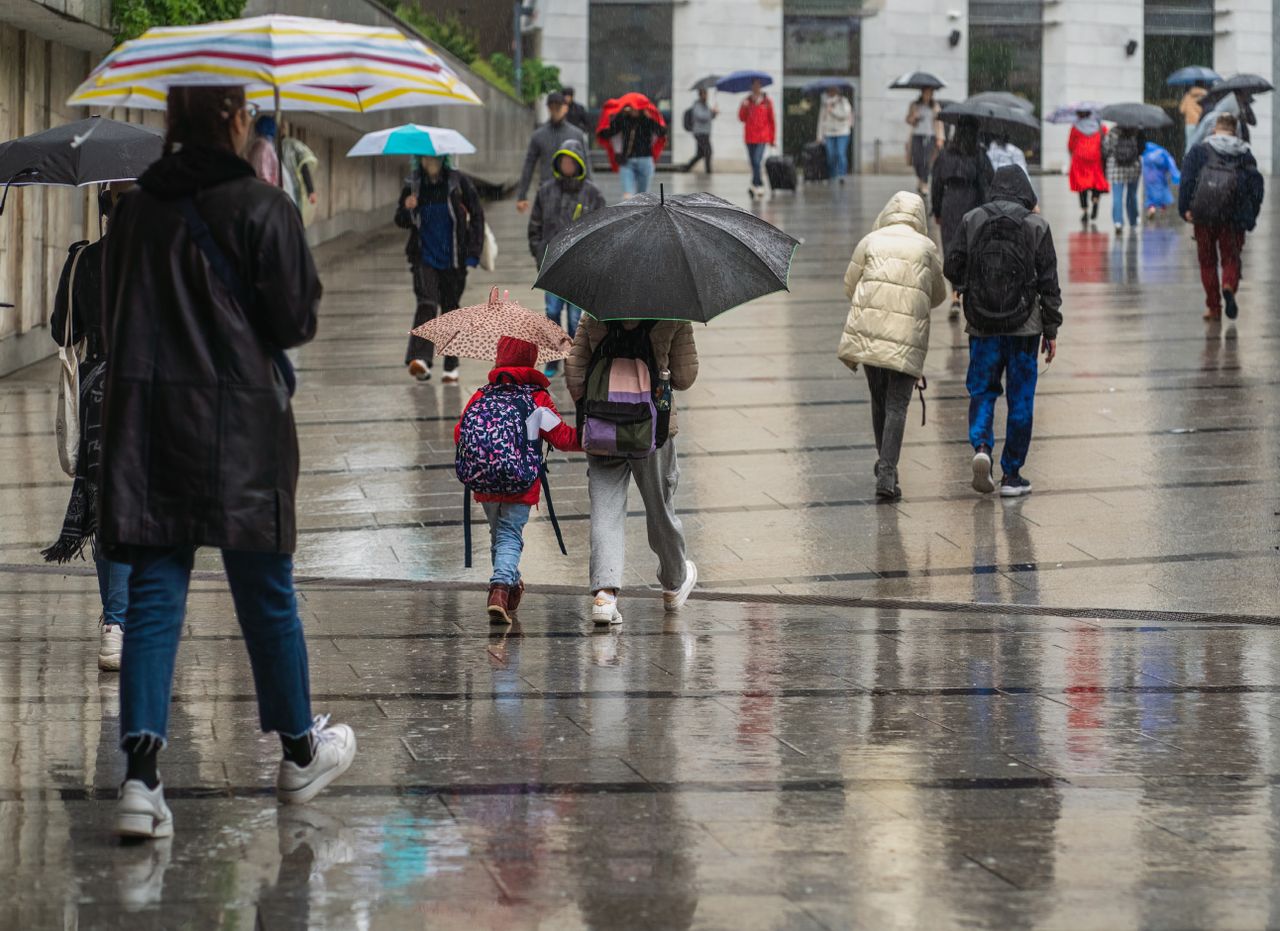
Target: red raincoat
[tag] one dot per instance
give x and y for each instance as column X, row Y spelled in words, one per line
column 760, row 125
column 641, row 104
column 1088, row 171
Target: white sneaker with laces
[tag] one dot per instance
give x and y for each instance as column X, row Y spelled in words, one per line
column 450, row 377
column 334, row 749
column 674, row 601
column 420, row 370
column 983, row 480
column 605, row 609
column 142, row 812
column 110, row 647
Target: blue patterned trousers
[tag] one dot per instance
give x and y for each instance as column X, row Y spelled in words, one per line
column 1011, row 360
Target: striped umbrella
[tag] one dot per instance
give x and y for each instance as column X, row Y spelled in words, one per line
column 283, row 62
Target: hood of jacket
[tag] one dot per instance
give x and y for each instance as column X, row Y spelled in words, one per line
column 192, row 169
column 520, row 375
column 1011, row 183
column 1231, row 146
column 574, row 149
column 906, row 209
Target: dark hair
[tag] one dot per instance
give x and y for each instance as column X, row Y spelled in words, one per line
column 1227, row 121
column 965, row 140
column 554, row 99
column 201, row 116
column 567, row 91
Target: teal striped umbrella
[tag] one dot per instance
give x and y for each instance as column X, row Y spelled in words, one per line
column 412, row 139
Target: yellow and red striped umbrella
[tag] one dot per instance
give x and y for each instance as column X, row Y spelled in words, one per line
column 312, row 64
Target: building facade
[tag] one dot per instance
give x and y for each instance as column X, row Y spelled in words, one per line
column 1051, row 51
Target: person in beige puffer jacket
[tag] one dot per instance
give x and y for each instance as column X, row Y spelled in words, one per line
column 894, row 280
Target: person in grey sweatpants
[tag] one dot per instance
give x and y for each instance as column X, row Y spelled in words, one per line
column 656, row 476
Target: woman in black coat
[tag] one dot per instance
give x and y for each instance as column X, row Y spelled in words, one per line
column 208, row 279
column 962, row 175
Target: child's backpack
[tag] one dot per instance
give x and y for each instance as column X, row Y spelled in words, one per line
column 999, row 287
column 1214, row 200
column 619, row 414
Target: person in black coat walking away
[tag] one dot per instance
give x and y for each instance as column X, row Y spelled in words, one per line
column 440, row 205
column 1221, row 194
column 961, row 177
column 577, row 113
column 208, row 279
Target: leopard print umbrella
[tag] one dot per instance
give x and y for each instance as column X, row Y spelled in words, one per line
column 473, row 332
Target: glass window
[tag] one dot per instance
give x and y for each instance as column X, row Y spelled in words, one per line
column 821, row 45
column 630, row 50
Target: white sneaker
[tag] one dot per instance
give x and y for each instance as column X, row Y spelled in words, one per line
column 141, row 812
column 420, row 370
column 110, row 646
column 983, row 480
column 335, row 748
column 450, row 377
column 674, row 601
column 605, row 609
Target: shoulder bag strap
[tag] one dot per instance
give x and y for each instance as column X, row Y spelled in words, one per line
column 71, row 298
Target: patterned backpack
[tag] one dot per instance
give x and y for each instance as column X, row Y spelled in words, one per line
column 620, row 414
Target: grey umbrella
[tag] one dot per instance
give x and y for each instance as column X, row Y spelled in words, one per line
column 1003, row 99
column 994, row 118
column 685, row 257
column 917, row 80
column 1247, row 84
column 1136, row 116
column 705, row 84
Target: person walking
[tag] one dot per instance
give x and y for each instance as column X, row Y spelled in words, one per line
column 262, row 151
column 565, row 199
column 546, row 140
column 894, row 280
column 298, row 166
column 1159, row 171
column 635, row 132
column 576, row 115
column 835, row 129
column 961, row 176
column 1001, row 152
column 1123, row 151
column 1004, row 256
column 442, row 206
column 670, row 346
column 1087, row 176
column 77, row 316
column 516, row 389
column 199, row 444
column 1221, row 195
column 926, row 137
column 1192, row 111
column 701, row 116
column 759, row 130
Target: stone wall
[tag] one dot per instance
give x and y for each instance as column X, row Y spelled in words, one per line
column 1245, row 42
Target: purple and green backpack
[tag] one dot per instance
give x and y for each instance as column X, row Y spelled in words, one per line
column 619, row 414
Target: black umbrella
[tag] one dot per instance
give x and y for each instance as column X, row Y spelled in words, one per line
column 994, row 118
column 1239, row 84
column 705, row 84
column 823, row 84
column 1136, row 116
column 917, row 80
column 1003, row 99
column 92, row 151
column 686, row 257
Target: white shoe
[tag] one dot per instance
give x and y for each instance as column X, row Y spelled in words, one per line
column 110, row 646
column 674, row 601
column 420, row 370
column 140, row 873
column 450, row 377
column 141, row 812
column 983, row 480
column 605, row 609
column 335, row 748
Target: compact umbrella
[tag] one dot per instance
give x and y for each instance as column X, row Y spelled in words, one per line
column 994, row 118
column 412, row 139
column 687, row 257
column 824, row 84
column 473, row 332
column 705, row 84
column 1193, row 74
column 739, row 82
column 1246, row 84
column 917, row 80
column 1136, row 116
column 1068, row 112
column 1003, row 99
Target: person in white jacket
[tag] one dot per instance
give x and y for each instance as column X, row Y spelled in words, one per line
column 835, row 126
column 894, row 281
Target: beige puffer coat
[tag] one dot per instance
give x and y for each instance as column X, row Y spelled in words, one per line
column 894, row 280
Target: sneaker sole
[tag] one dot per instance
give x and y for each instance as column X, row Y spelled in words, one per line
column 982, row 480
column 498, row 616
column 312, row 789
column 601, row 620
column 1014, row 492
column 144, row 826
column 108, row 663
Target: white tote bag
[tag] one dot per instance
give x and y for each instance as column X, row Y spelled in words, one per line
column 67, row 422
column 489, row 254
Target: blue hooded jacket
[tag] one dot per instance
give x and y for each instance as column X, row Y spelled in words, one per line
column 1159, row 170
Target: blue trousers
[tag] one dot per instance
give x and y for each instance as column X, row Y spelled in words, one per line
column 267, row 609
column 755, row 152
column 636, row 174
column 558, row 307
column 113, row 586
column 1124, row 199
column 1011, row 359
column 506, row 539
column 837, row 155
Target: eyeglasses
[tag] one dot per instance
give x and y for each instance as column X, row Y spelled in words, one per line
column 253, row 110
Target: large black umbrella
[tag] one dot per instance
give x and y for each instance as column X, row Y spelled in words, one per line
column 1247, row 84
column 1136, row 116
column 994, row 118
column 685, row 257
column 705, row 84
column 1003, row 99
column 917, row 80
column 92, row 151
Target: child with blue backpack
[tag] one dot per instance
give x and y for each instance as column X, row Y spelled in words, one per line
column 499, row 439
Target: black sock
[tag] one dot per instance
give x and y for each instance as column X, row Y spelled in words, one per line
column 141, row 753
column 298, row 750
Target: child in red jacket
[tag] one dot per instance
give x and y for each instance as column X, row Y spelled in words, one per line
column 508, row 514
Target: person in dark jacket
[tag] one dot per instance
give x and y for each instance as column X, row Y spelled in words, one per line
column 1010, row 352
column 961, row 176
column 1221, row 228
column 577, row 113
column 543, row 144
column 637, row 132
column 208, row 278
column 441, row 205
column 565, row 199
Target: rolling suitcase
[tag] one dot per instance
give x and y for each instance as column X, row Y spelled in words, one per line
column 781, row 170
column 815, row 162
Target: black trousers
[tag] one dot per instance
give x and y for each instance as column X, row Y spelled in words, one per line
column 438, row 290
column 704, row 152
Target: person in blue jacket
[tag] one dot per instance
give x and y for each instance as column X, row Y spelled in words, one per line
column 1159, row 172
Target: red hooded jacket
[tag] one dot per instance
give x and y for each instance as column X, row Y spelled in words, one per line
column 516, row 361
column 760, row 127
column 641, row 104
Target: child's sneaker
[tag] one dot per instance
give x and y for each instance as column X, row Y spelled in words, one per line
column 420, row 370
column 674, row 601
column 983, row 480
column 450, row 377
column 1014, row 486
column 605, row 609
column 334, row 749
column 499, row 604
column 142, row 812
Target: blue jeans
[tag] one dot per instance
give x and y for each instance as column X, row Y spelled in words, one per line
column 1013, row 359
column 267, row 609
column 113, row 586
column 755, row 152
column 506, row 540
column 1124, row 197
column 636, row 174
column 837, row 155
column 556, row 306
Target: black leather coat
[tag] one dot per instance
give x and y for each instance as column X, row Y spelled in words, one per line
column 199, row 444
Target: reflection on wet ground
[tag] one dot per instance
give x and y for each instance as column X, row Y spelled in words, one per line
column 1059, row 713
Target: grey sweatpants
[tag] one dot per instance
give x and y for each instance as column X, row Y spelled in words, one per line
column 608, row 480
column 890, row 398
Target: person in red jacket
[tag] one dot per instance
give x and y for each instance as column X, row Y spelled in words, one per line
column 507, row 514
column 760, row 130
column 1088, row 174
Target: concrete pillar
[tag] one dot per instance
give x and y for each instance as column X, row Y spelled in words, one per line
column 563, row 42
column 1245, row 43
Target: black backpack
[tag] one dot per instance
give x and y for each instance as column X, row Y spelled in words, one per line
column 1128, row 150
column 687, row 119
column 1214, row 200
column 999, row 287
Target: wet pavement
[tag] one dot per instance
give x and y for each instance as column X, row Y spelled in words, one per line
column 1061, row 712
